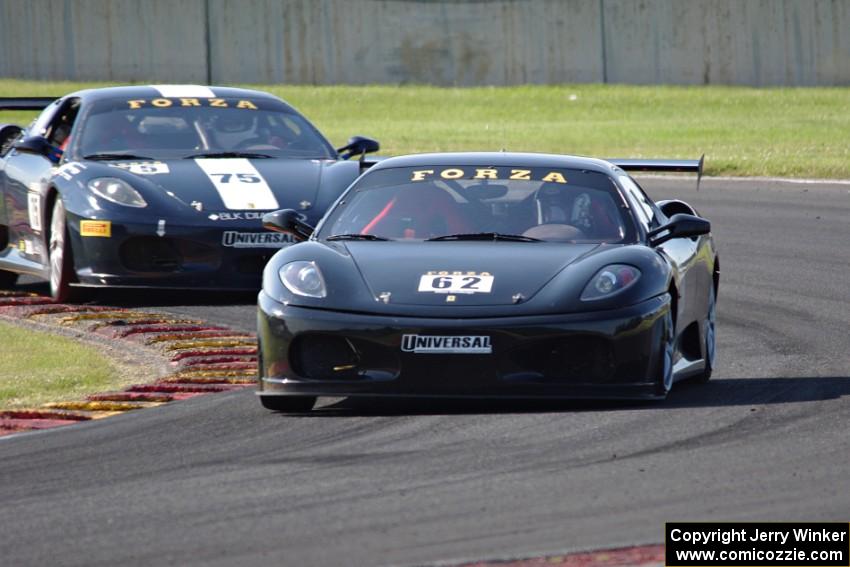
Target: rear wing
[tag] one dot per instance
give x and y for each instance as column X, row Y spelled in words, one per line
column 662, row 165
column 25, row 103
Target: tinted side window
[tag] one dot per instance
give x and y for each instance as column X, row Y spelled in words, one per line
column 60, row 127
column 42, row 123
column 644, row 209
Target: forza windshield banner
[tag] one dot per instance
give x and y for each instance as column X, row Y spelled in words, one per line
column 804, row 544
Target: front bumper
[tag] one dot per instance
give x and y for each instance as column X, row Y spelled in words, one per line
column 605, row 354
column 183, row 256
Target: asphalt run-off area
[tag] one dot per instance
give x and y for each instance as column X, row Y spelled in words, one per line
column 217, row 480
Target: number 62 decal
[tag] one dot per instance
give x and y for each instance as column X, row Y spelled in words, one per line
column 456, row 282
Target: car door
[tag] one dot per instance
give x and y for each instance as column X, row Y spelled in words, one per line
column 9, row 134
column 27, row 179
column 682, row 253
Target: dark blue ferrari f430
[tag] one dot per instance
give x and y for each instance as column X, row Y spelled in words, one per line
column 159, row 186
column 490, row 275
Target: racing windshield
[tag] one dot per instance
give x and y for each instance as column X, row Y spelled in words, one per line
column 194, row 127
column 482, row 203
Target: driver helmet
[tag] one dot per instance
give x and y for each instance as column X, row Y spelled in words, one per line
column 233, row 122
column 557, row 204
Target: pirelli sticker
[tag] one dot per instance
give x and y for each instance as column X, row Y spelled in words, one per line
column 493, row 173
column 102, row 229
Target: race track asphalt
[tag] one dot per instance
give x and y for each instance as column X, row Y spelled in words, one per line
column 219, row 481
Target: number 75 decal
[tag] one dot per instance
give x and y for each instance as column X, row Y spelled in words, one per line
column 243, row 177
column 456, row 284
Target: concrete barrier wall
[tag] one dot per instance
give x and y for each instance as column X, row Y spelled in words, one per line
column 745, row 42
column 443, row 42
column 399, row 41
column 109, row 40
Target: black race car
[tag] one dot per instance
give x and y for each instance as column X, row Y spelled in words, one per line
column 499, row 275
column 160, row 185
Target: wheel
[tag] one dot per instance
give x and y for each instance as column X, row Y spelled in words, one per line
column 289, row 404
column 665, row 376
column 710, row 332
column 7, row 279
column 60, row 256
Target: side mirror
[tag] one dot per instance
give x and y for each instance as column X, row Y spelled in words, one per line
column 680, row 226
column 674, row 207
column 39, row 146
column 8, row 134
column 33, row 145
column 358, row 145
column 287, row 220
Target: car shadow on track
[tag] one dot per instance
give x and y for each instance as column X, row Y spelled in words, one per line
column 758, row 391
column 149, row 298
column 726, row 392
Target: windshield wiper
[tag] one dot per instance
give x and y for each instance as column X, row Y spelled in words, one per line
column 108, row 157
column 486, row 236
column 355, row 237
column 249, row 155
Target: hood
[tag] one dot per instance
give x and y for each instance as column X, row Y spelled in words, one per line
column 462, row 273
column 224, row 185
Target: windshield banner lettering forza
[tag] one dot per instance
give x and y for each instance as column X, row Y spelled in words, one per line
column 489, row 173
column 169, row 102
column 428, row 344
column 809, row 544
column 234, row 239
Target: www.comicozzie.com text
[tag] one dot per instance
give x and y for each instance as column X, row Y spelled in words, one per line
column 726, row 536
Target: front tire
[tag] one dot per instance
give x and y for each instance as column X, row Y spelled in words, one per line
column 61, row 259
column 288, row 404
column 664, row 381
column 710, row 333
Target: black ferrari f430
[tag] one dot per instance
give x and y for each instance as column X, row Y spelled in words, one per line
column 159, row 186
column 500, row 275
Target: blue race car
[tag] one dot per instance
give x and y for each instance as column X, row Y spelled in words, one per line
column 159, row 186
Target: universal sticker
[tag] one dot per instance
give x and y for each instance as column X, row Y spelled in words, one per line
column 234, row 239
column 456, row 282
column 429, row 344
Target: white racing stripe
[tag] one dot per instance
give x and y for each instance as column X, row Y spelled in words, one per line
column 181, row 91
column 239, row 183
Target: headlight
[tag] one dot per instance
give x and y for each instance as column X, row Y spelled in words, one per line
column 610, row 280
column 303, row 278
column 117, row 190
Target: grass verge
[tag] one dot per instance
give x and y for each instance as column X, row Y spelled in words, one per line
column 789, row 132
column 37, row 367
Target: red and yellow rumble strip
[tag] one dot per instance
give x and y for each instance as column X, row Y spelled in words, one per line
column 637, row 556
column 207, row 359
